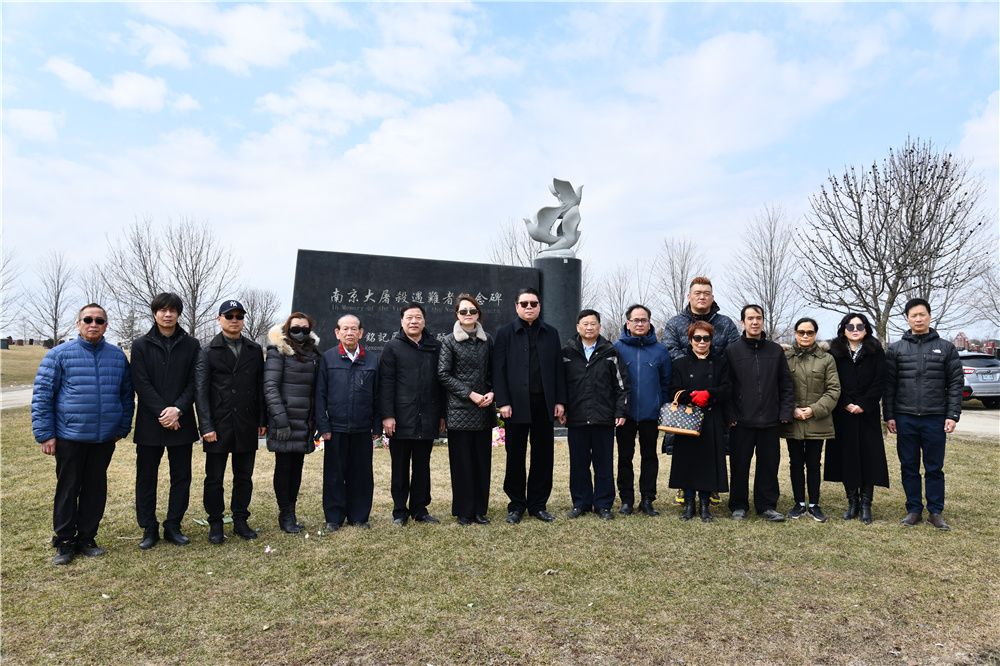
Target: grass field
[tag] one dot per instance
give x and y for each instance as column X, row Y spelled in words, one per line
column 18, row 365
column 636, row 590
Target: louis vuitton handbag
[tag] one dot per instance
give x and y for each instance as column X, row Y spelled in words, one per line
column 681, row 419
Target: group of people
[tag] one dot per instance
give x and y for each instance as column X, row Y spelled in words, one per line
column 230, row 392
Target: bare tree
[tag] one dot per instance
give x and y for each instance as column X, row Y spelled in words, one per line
column 133, row 273
column 91, row 287
column 616, row 296
column 987, row 298
column 262, row 312
column 764, row 271
column 10, row 289
column 678, row 262
column 201, row 270
column 49, row 306
column 907, row 227
column 512, row 246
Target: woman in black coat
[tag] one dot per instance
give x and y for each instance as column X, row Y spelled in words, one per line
column 465, row 371
column 289, row 378
column 699, row 463
column 856, row 456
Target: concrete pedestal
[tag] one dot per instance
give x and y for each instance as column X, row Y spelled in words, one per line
column 560, row 282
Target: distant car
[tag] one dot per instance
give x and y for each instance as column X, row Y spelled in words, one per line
column 982, row 378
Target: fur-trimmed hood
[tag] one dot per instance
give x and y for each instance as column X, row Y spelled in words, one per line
column 462, row 336
column 276, row 339
column 821, row 345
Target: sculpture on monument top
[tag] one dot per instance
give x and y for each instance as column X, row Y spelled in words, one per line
column 559, row 226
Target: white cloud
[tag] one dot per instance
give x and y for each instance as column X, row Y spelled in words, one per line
column 127, row 90
column 980, row 143
column 162, row 46
column 965, row 21
column 248, row 35
column 329, row 107
column 33, row 124
column 185, row 102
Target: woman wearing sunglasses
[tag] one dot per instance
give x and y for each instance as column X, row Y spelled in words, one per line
column 857, row 456
column 465, row 370
column 699, row 463
column 289, row 378
column 817, row 388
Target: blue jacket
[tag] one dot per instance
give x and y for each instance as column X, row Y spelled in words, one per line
column 347, row 392
column 83, row 393
column 675, row 333
column 648, row 365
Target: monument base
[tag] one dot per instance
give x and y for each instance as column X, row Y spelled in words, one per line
column 560, row 281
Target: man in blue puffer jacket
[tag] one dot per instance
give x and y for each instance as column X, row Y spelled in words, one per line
column 648, row 365
column 82, row 404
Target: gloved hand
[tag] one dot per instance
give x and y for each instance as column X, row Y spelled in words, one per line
column 283, row 434
column 700, row 398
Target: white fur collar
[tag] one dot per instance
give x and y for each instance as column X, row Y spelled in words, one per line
column 462, row 336
column 276, row 338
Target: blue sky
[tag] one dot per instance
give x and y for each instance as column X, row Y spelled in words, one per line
column 416, row 129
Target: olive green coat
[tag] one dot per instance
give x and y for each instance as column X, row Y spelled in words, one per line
column 814, row 373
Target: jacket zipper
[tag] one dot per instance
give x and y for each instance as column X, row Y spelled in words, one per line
column 100, row 407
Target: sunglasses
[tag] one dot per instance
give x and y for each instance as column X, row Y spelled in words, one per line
column 230, row 315
column 100, row 321
column 468, row 311
column 805, row 334
column 300, row 329
column 701, row 338
column 528, row 304
column 854, row 327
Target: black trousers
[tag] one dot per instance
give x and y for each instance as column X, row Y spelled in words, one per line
column 649, row 464
column 743, row 444
column 410, row 494
column 215, row 470
column 147, row 471
column 287, row 478
column 81, row 489
column 803, row 465
column 470, row 454
column 530, row 491
column 592, row 445
column 348, row 480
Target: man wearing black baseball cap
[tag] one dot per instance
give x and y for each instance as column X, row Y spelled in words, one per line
column 231, row 416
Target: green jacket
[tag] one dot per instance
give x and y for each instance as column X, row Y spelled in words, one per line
column 814, row 373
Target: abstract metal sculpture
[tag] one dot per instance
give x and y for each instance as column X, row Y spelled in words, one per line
column 559, row 226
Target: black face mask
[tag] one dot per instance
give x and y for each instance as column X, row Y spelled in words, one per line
column 299, row 336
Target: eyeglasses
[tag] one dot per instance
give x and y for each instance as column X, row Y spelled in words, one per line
column 639, row 321
column 701, row 338
column 854, row 327
column 299, row 329
column 231, row 316
column 528, row 304
column 468, row 311
column 100, row 321
column 805, row 334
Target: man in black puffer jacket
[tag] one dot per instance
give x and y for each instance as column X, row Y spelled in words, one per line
column 763, row 397
column 597, row 399
column 922, row 405
column 411, row 403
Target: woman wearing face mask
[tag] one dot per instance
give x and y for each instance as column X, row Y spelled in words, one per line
column 289, row 377
column 465, row 371
column 857, row 456
column 699, row 463
column 817, row 389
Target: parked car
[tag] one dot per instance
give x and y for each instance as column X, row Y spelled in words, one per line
column 982, row 378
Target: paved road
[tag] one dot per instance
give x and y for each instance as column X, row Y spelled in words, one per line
column 17, row 396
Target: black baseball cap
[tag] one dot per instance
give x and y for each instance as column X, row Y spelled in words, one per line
column 229, row 306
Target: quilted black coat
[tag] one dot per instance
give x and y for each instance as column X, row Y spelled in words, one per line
column 289, row 379
column 923, row 376
column 465, row 365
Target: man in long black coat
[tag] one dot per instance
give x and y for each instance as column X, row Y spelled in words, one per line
column 231, row 416
column 530, row 387
column 163, row 373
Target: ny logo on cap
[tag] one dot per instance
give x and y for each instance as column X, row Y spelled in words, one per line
column 233, row 304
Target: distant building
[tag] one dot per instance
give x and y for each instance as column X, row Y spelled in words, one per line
column 961, row 341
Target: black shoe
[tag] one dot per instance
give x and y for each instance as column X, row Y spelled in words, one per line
column 400, row 522
column 64, row 553
column 578, row 511
column 626, row 509
column 215, row 534
column 481, row 520
column 605, row 514
column 853, row 504
column 243, row 530
column 426, row 518
column 286, row 521
column 514, row 517
column 773, row 516
column 462, row 520
column 866, row 504
column 175, row 536
column 332, row 527
column 544, row 516
column 295, row 518
column 89, row 548
column 150, row 537
column 706, row 513
column 817, row 513
column 646, row 506
column 688, row 510
column 797, row 511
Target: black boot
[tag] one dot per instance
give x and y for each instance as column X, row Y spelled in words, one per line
column 853, row 502
column 688, row 509
column 243, row 530
column 706, row 514
column 215, row 533
column 646, row 506
column 295, row 519
column 286, row 521
column 866, row 504
column 150, row 537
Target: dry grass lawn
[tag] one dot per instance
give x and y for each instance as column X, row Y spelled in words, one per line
column 18, row 365
column 637, row 590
